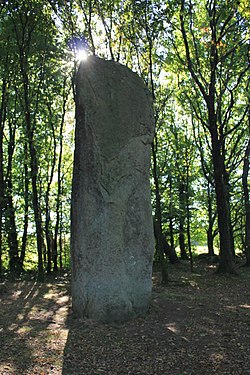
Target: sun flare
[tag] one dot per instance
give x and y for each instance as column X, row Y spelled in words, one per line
column 81, row 55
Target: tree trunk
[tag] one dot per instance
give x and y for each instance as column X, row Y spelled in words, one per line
column 36, row 206
column 210, row 241
column 34, row 172
column 211, row 218
column 226, row 259
column 182, row 244
column 48, row 232
column 171, row 232
column 1, row 195
column 189, row 236
column 170, row 251
column 26, row 209
column 188, row 215
column 12, row 235
column 219, row 169
column 59, row 182
column 25, row 97
column 59, row 186
column 247, row 203
column 55, row 256
column 158, row 220
column 10, row 210
column 227, row 189
column 61, row 241
column 48, row 246
column 2, row 122
column 171, row 225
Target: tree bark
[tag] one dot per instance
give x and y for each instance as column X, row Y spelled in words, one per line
column 225, row 261
column 12, row 235
column 10, row 216
column 1, row 195
column 158, row 221
column 246, row 202
column 170, row 251
column 2, row 122
column 48, row 231
column 189, row 228
column 211, row 219
column 26, row 209
column 59, row 183
column 34, row 173
column 171, row 224
column 182, row 216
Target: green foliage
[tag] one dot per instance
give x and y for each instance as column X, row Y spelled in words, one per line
column 37, row 45
column 35, row 52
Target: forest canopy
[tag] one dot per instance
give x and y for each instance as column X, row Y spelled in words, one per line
column 194, row 56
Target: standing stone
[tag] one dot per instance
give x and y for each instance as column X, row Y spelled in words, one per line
column 111, row 220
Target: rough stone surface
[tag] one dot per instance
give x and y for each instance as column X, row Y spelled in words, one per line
column 111, row 220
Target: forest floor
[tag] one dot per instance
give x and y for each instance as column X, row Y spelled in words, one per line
column 197, row 325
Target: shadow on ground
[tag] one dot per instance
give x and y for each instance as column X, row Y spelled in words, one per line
column 198, row 325
column 31, row 316
column 195, row 326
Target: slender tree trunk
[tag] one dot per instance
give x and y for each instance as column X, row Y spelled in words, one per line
column 12, row 234
column 211, row 218
column 10, row 209
column 189, row 229
column 34, row 173
column 1, row 196
column 210, row 242
column 36, row 207
column 61, row 241
column 245, row 184
column 55, row 255
column 48, row 245
column 26, row 208
column 171, row 225
column 2, row 122
column 59, row 182
column 231, row 230
column 182, row 216
column 171, row 232
column 226, row 259
column 182, row 244
column 48, row 232
column 227, row 189
column 158, row 211
column 158, row 220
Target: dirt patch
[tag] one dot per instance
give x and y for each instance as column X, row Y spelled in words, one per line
column 198, row 325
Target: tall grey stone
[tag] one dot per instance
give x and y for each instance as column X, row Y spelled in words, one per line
column 111, row 220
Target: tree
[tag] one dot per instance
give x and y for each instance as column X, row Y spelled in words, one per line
column 32, row 72
column 246, row 202
column 2, row 123
column 221, row 31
